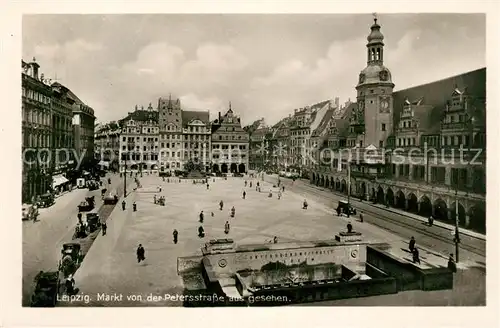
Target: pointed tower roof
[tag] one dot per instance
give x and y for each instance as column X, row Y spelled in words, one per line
column 375, row 35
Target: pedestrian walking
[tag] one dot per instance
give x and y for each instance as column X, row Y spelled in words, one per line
column 154, row 199
column 208, row 186
column 361, row 216
column 244, row 194
column 201, row 232
column 250, row 184
column 416, row 256
column 411, row 244
column 175, row 234
column 123, row 205
column 431, row 221
column 221, row 205
column 134, row 206
column 141, row 253
column 226, row 227
column 283, row 188
column 201, row 217
column 349, row 227
column 245, row 183
column 305, row 205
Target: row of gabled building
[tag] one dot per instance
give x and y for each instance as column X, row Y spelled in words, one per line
column 421, row 149
column 57, row 134
column 166, row 138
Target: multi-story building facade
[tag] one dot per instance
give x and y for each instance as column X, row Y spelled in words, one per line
column 260, row 148
column 62, row 129
column 83, row 132
column 196, row 138
column 304, row 122
column 107, row 145
column 37, row 133
column 171, row 135
column 281, row 137
column 230, row 144
column 139, row 141
column 413, row 148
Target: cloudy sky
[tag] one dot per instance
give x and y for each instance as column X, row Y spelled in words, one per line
column 266, row 65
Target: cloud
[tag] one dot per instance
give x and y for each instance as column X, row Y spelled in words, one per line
column 265, row 69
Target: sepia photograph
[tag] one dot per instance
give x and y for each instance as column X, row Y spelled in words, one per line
column 253, row 160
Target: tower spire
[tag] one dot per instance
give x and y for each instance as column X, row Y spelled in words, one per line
column 375, row 44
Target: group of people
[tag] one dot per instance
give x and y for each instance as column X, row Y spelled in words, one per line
column 159, row 200
column 124, row 206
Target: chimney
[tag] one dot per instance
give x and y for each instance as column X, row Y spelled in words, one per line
column 337, row 102
column 219, row 117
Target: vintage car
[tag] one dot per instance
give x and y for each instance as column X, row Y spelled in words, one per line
column 87, row 205
column 110, row 199
column 345, row 208
column 46, row 289
column 71, row 257
column 93, row 221
column 93, row 185
column 46, row 200
column 29, row 212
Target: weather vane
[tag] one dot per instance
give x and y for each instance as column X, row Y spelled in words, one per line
column 374, row 17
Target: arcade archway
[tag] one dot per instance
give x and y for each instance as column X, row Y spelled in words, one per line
column 241, row 168
column 477, row 216
column 332, row 183
column 234, row 168
column 343, row 186
column 337, row 184
column 440, row 210
column 363, row 190
column 380, row 196
column 412, row 203
column 389, row 198
column 425, row 207
column 215, row 168
column 400, row 200
column 134, row 167
column 223, row 168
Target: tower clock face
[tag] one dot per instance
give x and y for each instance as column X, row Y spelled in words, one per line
column 384, row 105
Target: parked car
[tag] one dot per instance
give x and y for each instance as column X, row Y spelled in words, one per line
column 29, row 212
column 46, row 200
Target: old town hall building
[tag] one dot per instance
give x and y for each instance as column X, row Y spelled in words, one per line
column 413, row 149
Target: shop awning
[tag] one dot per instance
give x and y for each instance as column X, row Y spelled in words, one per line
column 58, row 180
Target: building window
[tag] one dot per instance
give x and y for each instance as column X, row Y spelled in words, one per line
column 383, row 126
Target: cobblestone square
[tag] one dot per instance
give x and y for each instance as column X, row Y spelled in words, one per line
column 111, row 267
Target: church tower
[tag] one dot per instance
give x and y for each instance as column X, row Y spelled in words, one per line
column 374, row 92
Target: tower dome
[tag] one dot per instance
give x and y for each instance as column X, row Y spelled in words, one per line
column 375, row 36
